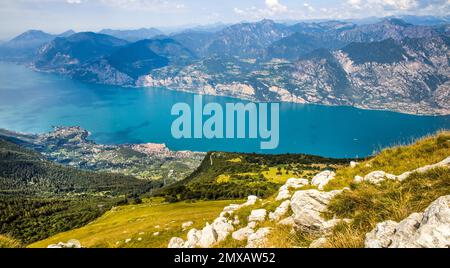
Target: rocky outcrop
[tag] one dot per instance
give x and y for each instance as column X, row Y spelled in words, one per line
column 222, row 227
column 257, row 215
column 292, row 183
column 186, row 225
column 219, row 230
column 243, row 233
column 176, row 242
column 72, row 243
column 322, row 179
column 307, row 207
column 318, row 243
column 280, row 211
column 376, row 177
column 259, row 238
column 208, row 237
column 430, row 229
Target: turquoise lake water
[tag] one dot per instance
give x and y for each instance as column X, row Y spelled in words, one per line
column 34, row 102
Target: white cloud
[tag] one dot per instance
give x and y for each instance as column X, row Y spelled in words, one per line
column 144, row 5
column 271, row 9
column 74, row 1
column 275, row 6
column 397, row 6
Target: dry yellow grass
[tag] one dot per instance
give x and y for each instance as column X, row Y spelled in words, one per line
column 139, row 223
column 399, row 159
column 7, row 242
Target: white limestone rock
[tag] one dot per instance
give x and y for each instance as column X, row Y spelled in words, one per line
column 252, row 224
column 251, row 200
column 186, row 225
column 358, row 179
column 289, row 221
column 283, row 194
column 222, row 228
column 242, row 234
column 322, row 179
column 209, row 237
column 430, row 229
column 193, row 238
column 292, row 183
column 295, row 183
column 72, row 243
column 176, row 242
column 307, row 207
column 257, row 215
column 318, row 243
column 280, row 211
column 259, row 238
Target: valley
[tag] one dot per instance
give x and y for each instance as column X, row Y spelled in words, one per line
column 157, row 216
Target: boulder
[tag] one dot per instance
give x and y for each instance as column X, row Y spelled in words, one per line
column 72, row 243
column 289, row 221
column 280, row 211
column 257, row 215
column 283, row 194
column 176, row 242
column 318, row 243
column 242, row 234
column 292, row 183
column 252, row 224
column 222, row 228
column 353, row 164
column 443, row 163
column 429, row 229
column 186, row 225
column 231, row 208
column 251, row 200
column 193, row 238
column 259, row 238
column 236, row 220
column 208, row 237
column 322, row 179
column 307, row 207
column 296, row 183
column 376, row 177
column 358, row 179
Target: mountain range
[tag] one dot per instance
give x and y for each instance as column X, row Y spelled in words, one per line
column 389, row 65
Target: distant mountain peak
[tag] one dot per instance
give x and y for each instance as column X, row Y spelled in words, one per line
column 396, row 22
column 31, row 34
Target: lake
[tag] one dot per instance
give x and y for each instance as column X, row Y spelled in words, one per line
column 34, row 102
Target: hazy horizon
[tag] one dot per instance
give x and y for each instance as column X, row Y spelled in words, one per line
column 56, row 16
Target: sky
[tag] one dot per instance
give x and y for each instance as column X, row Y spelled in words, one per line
column 56, row 16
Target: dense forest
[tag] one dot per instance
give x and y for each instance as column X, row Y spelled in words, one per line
column 39, row 198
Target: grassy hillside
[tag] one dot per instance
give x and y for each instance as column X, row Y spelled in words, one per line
column 139, row 223
column 399, row 159
column 7, row 242
column 369, row 204
column 233, row 175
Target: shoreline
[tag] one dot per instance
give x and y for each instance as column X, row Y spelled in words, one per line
column 190, row 90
